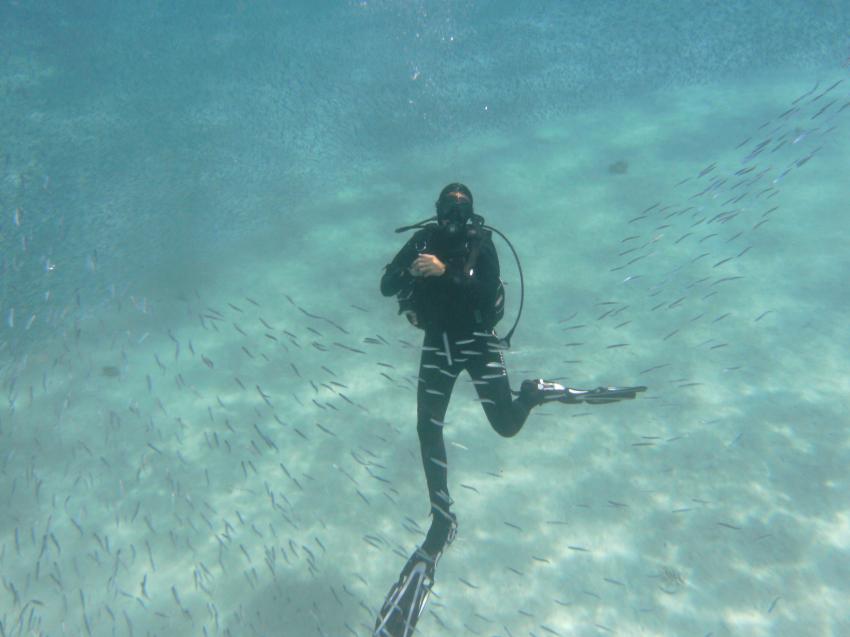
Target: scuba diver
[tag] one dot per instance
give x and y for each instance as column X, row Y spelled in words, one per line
column 446, row 279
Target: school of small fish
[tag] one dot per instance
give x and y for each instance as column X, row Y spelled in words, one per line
column 193, row 476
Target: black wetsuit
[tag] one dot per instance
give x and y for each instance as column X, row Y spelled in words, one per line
column 453, row 311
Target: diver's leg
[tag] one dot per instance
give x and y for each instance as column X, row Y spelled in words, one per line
column 490, row 376
column 437, row 374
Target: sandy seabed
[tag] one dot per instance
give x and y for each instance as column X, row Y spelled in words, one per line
column 240, row 457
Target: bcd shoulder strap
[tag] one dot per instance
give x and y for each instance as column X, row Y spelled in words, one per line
column 475, row 250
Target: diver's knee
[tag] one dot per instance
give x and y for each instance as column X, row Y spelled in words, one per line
column 504, row 426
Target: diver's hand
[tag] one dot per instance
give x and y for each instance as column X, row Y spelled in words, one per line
column 427, row 265
column 411, row 316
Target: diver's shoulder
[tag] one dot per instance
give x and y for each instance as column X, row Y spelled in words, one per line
column 425, row 232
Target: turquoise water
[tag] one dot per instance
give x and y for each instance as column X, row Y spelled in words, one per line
column 208, row 414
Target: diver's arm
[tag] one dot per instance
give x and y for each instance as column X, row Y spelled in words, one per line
column 396, row 273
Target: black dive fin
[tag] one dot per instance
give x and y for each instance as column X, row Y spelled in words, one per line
column 601, row 394
column 406, row 600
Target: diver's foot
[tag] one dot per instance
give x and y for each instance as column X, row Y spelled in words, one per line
column 441, row 534
column 537, row 391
